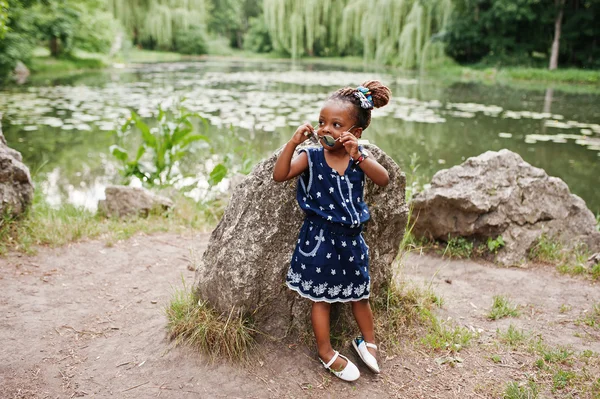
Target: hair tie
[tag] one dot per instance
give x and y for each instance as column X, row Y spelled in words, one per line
column 364, row 96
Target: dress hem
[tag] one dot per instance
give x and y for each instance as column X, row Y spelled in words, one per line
column 302, row 294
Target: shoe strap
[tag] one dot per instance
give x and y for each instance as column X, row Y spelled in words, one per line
column 370, row 345
column 335, row 356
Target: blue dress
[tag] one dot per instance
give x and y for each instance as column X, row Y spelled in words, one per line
column 331, row 259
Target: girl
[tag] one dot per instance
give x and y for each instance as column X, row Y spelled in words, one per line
column 331, row 260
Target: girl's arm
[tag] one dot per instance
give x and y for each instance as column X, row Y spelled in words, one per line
column 285, row 168
column 374, row 171
column 370, row 166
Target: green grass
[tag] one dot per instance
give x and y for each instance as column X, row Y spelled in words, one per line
column 562, row 378
column 546, row 250
column 458, row 247
column 409, row 311
column 45, row 225
column 51, row 65
column 592, row 318
column 514, row 390
column 193, row 322
column 502, row 308
column 512, row 337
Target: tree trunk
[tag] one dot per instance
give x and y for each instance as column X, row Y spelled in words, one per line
column 54, row 46
column 556, row 42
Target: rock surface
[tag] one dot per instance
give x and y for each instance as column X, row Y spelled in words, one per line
column 245, row 264
column 122, row 201
column 16, row 187
column 498, row 193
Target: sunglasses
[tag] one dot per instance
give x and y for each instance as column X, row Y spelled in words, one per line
column 327, row 139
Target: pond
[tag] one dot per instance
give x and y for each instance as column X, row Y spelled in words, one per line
column 63, row 126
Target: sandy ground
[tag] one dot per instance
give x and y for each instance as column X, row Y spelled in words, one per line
column 88, row 320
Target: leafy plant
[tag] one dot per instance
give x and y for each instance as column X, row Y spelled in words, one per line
column 459, row 247
column 495, row 244
column 546, row 249
column 514, row 390
column 163, row 147
column 502, row 308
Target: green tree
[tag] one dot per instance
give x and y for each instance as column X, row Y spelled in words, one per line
column 156, row 23
column 524, row 32
column 3, row 18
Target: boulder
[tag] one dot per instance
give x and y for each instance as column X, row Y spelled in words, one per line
column 21, row 73
column 497, row 193
column 16, row 187
column 247, row 258
column 122, row 201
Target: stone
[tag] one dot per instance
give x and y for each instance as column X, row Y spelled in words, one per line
column 16, row 187
column 247, row 258
column 122, row 201
column 498, row 193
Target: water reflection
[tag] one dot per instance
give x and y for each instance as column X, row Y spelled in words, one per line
column 62, row 128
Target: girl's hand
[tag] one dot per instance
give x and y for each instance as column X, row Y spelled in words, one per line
column 350, row 143
column 302, row 133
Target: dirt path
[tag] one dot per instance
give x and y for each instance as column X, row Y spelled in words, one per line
column 87, row 320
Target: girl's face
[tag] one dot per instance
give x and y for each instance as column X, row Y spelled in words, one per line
column 336, row 118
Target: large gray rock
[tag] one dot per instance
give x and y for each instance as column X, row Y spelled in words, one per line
column 16, row 187
column 122, row 201
column 497, row 193
column 245, row 264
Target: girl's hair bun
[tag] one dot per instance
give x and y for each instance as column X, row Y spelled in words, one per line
column 381, row 94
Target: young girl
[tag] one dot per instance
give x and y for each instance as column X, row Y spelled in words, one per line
column 331, row 259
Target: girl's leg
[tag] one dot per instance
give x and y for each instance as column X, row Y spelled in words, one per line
column 364, row 318
column 320, row 323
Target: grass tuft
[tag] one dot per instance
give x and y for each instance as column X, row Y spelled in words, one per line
column 458, row 247
column 546, row 250
column 193, row 322
column 44, row 224
column 512, row 336
column 502, row 308
column 515, row 390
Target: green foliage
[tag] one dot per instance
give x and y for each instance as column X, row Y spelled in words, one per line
column 562, row 378
column 156, row 23
column 502, row 308
column 3, row 18
column 514, row 390
column 257, row 39
column 191, row 41
column 164, row 145
column 507, row 32
column 546, row 249
column 512, row 336
column 495, row 244
column 458, row 247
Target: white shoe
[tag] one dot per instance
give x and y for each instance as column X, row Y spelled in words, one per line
column 361, row 348
column 349, row 373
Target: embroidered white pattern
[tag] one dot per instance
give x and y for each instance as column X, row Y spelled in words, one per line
column 320, row 177
column 344, row 244
column 329, row 256
column 331, row 206
column 351, row 259
column 358, row 291
column 344, row 218
column 320, row 289
column 347, row 291
column 318, row 270
column 357, row 272
column 354, row 243
column 303, row 266
column 318, row 195
column 334, row 291
column 331, row 190
column 333, row 272
column 306, row 285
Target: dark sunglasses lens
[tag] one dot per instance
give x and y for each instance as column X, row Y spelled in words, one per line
column 329, row 140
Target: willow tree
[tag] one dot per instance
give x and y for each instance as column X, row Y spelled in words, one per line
column 396, row 32
column 159, row 20
column 298, row 26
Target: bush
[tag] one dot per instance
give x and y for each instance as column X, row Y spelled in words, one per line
column 191, row 41
column 257, row 39
column 13, row 48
